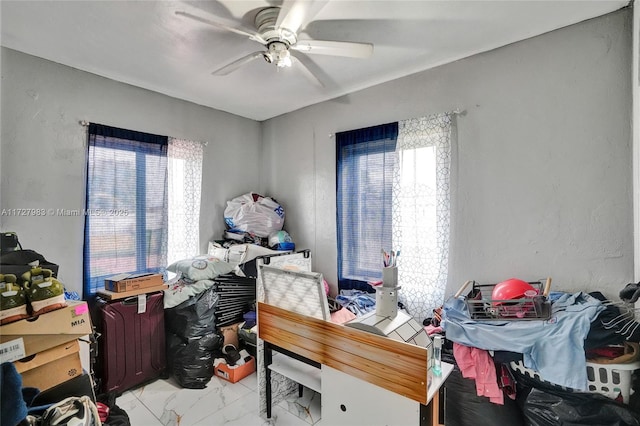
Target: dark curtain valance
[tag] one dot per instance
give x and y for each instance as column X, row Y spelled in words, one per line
column 374, row 133
column 115, row 132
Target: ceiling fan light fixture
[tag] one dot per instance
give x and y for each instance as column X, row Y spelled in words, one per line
column 285, row 60
column 279, row 53
column 276, row 29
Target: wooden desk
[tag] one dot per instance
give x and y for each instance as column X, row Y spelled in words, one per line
column 357, row 369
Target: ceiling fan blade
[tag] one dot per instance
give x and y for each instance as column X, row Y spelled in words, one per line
column 296, row 14
column 225, row 25
column 334, row 48
column 306, row 71
column 229, row 68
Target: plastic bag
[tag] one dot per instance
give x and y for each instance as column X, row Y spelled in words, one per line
column 463, row 406
column 195, row 317
column 545, row 405
column 254, row 214
column 191, row 362
column 281, row 240
column 192, row 337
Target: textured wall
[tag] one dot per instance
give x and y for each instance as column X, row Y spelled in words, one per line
column 43, row 150
column 542, row 177
column 542, row 183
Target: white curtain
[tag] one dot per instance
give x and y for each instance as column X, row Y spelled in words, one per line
column 185, row 180
column 421, row 207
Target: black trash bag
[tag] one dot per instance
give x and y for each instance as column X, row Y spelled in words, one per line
column 463, row 406
column 546, row 405
column 174, row 343
column 195, row 317
column 634, row 399
column 191, row 362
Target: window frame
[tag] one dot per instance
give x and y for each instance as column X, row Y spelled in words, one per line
column 351, row 147
column 142, row 144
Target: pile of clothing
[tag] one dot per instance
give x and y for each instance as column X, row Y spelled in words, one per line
column 580, row 326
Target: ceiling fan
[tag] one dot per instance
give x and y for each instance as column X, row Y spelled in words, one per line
column 277, row 29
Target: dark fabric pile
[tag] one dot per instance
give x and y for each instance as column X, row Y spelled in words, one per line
column 192, row 339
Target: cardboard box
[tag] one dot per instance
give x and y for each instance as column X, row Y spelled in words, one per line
column 32, row 335
column 235, row 373
column 128, row 282
column 113, row 295
column 51, row 367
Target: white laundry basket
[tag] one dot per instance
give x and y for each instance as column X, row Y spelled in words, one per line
column 610, row 380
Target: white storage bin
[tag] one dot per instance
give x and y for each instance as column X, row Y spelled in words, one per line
column 610, row 380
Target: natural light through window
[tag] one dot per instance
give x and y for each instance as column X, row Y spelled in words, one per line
column 421, row 211
column 184, row 182
column 417, row 198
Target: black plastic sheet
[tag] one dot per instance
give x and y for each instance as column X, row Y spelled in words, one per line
column 546, row 405
column 194, row 317
column 463, row 407
column 192, row 339
column 191, row 363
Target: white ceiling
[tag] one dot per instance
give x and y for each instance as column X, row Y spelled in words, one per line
column 144, row 43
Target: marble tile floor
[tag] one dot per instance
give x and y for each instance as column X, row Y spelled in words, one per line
column 165, row 403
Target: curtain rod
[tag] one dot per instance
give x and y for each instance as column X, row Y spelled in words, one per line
column 456, row 111
column 85, row 123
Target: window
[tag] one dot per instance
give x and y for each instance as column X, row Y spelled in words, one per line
column 185, row 180
column 365, row 166
column 393, row 194
column 142, row 203
column 421, row 211
column 126, row 199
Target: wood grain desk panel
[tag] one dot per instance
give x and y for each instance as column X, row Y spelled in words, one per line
column 396, row 366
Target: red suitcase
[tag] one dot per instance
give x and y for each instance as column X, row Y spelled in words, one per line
column 131, row 346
